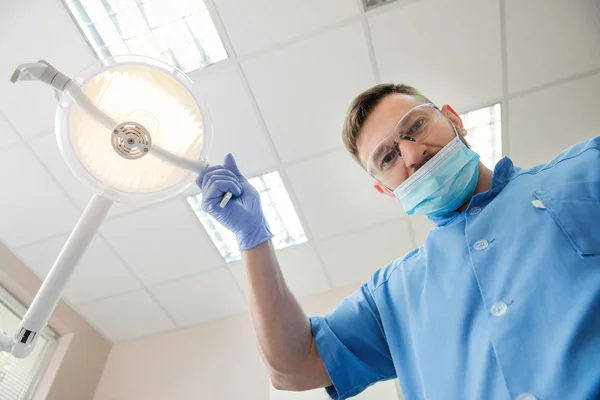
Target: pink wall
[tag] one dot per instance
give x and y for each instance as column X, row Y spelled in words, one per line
column 81, row 353
column 217, row 360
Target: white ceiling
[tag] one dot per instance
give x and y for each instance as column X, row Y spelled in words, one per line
column 279, row 102
column 433, row 41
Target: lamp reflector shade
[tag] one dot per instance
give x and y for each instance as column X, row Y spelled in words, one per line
column 152, row 103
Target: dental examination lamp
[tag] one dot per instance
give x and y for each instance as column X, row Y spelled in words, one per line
column 132, row 129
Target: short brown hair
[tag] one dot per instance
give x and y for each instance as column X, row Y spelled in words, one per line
column 363, row 105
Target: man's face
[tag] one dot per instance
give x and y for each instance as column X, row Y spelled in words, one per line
column 382, row 122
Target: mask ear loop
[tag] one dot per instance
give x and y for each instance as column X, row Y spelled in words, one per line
column 454, row 127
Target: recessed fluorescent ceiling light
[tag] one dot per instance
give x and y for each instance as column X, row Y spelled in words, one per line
column 279, row 212
column 180, row 32
column 484, row 133
column 375, row 3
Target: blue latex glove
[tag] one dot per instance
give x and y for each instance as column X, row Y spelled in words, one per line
column 243, row 214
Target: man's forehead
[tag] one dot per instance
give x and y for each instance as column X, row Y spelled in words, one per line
column 382, row 120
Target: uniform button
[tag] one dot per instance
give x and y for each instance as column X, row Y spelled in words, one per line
column 526, row 396
column 497, row 310
column 475, row 210
column 480, row 245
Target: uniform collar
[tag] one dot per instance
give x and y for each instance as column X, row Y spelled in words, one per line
column 503, row 172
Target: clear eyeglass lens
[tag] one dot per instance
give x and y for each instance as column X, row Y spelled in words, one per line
column 413, row 126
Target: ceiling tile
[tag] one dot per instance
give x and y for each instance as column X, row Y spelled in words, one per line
column 303, row 90
column 545, row 123
column 8, row 135
column 162, row 242
column 46, row 148
column 210, row 295
column 37, row 30
column 450, row 51
column 127, row 316
column 99, row 274
column 336, row 195
column 32, row 207
column 301, row 269
column 564, row 40
column 236, row 126
column 253, row 25
column 354, row 257
column 421, row 225
column 237, row 269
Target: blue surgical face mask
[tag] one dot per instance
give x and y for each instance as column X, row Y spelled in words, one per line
column 443, row 184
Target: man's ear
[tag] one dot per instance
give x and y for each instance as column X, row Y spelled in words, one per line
column 382, row 189
column 455, row 118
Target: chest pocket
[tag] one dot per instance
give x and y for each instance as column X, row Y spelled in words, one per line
column 576, row 209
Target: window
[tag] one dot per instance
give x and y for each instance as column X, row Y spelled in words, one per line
column 485, row 133
column 279, row 212
column 180, row 32
column 19, row 377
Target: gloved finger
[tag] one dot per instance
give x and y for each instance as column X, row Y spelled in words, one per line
column 206, row 171
column 221, row 178
column 219, row 185
column 230, row 164
column 217, row 172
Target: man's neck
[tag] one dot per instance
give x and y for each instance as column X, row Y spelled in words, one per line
column 484, row 183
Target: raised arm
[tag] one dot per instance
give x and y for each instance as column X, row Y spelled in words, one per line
column 281, row 326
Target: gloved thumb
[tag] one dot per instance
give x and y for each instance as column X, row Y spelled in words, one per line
column 231, row 165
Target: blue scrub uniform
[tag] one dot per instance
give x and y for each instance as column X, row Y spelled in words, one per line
column 502, row 301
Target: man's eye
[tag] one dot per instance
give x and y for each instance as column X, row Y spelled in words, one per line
column 416, row 127
column 387, row 159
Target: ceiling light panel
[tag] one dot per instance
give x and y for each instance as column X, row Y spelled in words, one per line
column 277, row 207
column 180, row 32
column 369, row 4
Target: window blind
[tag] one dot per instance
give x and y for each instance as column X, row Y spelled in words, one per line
column 19, row 377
